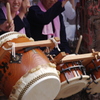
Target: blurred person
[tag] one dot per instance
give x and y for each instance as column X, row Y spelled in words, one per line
column 70, row 18
column 70, row 14
column 18, row 10
column 4, row 25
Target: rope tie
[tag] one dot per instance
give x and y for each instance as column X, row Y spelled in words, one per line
column 13, row 49
column 6, row 48
column 56, row 43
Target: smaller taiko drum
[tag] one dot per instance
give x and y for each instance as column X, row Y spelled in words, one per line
column 29, row 75
column 93, row 69
column 73, row 78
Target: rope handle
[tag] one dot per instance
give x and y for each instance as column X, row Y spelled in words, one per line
column 56, row 43
column 12, row 48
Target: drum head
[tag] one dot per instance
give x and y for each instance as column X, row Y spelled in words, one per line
column 45, row 89
column 94, row 87
column 75, row 85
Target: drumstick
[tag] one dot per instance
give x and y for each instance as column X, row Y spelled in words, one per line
column 9, row 17
column 78, row 45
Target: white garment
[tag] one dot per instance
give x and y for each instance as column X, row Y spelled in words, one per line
column 76, row 2
column 70, row 14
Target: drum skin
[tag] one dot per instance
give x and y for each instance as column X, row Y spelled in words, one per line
column 10, row 73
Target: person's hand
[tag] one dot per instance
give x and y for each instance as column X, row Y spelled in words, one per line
column 7, row 26
column 24, row 8
column 11, row 26
column 64, row 2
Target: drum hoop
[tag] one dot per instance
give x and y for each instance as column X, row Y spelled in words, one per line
column 5, row 37
column 32, row 82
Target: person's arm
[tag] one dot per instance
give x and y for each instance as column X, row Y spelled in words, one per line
column 63, row 2
column 19, row 24
column 4, row 25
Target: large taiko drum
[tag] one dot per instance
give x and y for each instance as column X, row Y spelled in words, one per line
column 73, row 78
column 93, row 69
column 29, row 75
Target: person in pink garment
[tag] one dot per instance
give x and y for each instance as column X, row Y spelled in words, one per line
column 6, row 26
column 18, row 12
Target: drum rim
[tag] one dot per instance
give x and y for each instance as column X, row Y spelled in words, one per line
column 9, row 36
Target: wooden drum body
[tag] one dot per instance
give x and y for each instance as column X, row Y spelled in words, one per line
column 73, row 79
column 93, row 69
column 29, row 75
